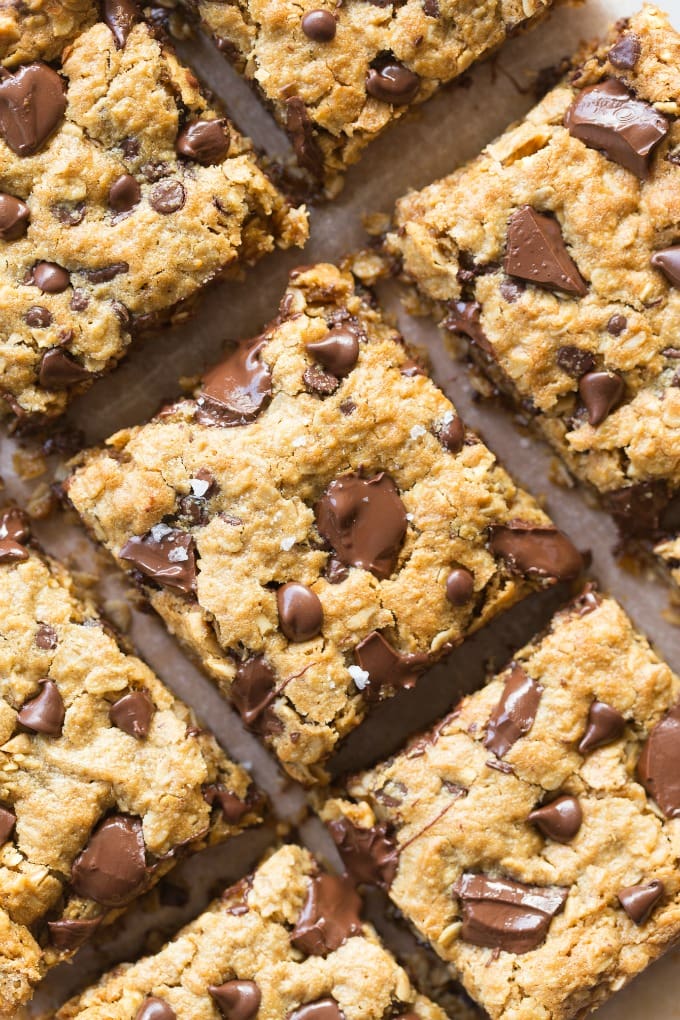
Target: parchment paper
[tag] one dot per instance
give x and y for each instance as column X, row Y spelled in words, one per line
column 448, row 130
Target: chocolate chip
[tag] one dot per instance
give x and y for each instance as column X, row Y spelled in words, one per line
column 387, row 668
column 606, row 116
column 658, row 767
column 338, row 351
column 322, row 1009
column 168, row 196
column 369, row 855
column 515, row 713
column 38, row 317
column 252, row 690
column 124, row 193
column 460, row 586
column 121, row 17
column 302, row 134
column 166, row 555
column 7, row 822
column 319, row 382
column 452, row 435
column 536, row 551
column 330, row 915
column 103, row 274
column 69, row 935
column 605, row 725
column 232, row 807
column 464, row 317
column 49, row 277
column 617, row 324
column 502, row 914
column 600, row 392
column 238, row 389
column 205, row 141
column 44, row 713
column 560, row 820
column 133, row 714
column 575, row 361
column 365, row 522
column 58, row 369
column 14, row 217
column 639, row 900
column 32, row 104
column 79, row 301
column 237, row 1000
column 668, row 261
column 336, row 572
column 46, row 637
column 113, row 864
column 625, row 53
column 300, row 611
column 69, row 213
column 319, row 26
column 536, row 252
column 393, row 83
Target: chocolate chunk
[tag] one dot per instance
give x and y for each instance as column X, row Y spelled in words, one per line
column 393, row 83
column 103, row 274
column 300, row 611
column 32, row 104
column 121, row 17
column 231, row 806
column 336, row 572
column 237, row 1000
column 69, row 213
column 113, row 864
column 560, row 820
column 329, row 917
column 639, row 900
column 69, row 935
column 205, row 141
column 38, row 317
column 14, row 217
column 166, row 555
column 7, row 822
column 44, row 713
column 536, row 252
column 600, row 392
column 668, row 261
column 14, row 524
column 617, row 324
column 322, row 1009
column 46, row 637
column 511, row 290
column 168, row 196
column 502, row 914
column 542, row 552
column 460, row 586
column 79, row 301
column 658, row 767
column 338, row 351
column 238, row 389
column 605, row 725
column 464, row 317
column 319, row 26
column 431, row 8
column 637, row 509
column 625, row 53
column 365, row 522
column 452, row 435
column 252, row 691
column 575, row 361
column 49, row 277
column 133, row 714
column 515, row 713
column 369, row 855
column 124, row 193
column 607, row 117
column 388, row 669
column 320, row 382
column 302, row 134
column 59, row 369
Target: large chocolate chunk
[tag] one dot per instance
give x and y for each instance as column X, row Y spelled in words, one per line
column 502, row 914
column 387, row 669
column 32, row 104
column 165, row 555
column 329, row 917
column 536, row 551
column 658, row 767
column 369, row 855
column 536, row 252
column 252, row 690
column 515, row 713
column 121, row 16
column 112, row 867
column 236, row 390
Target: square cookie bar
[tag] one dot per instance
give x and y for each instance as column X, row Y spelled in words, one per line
column 336, row 76
column 105, row 780
column 123, row 192
column 287, row 943
column 316, row 524
column 556, row 254
column 531, row 836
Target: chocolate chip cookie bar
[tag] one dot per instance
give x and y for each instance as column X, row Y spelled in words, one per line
column 531, row 835
column 336, row 76
column 316, row 524
column 105, row 780
column 287, row 942
column 556, row 254
column 123, row 192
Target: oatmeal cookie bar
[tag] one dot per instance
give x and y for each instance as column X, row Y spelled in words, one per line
column 104, row 777
column 316, row 524
column 556, row 253
column 123, row 192
column 531, row 836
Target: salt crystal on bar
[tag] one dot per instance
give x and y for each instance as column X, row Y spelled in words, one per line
column 359, row 675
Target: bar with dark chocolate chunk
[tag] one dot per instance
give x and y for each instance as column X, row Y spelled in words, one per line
column 315, row 545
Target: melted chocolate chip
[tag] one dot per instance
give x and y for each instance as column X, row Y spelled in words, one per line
column 49, row 277
column 365, row 522
column 121, row 17
column 668, row 261
column 205, row 141
column 46, row 637
column 238, row 389
column 515, row 713
column 369, row 855
column 452, row 435
column 38, row 317
column 502, row 914
column 69, row 213
column 536, row 252
column 464, row 317
column 638, row 509
column 460, row 586
column 639, row 900
column 253, row 688
column 336, row 572
column 393, row 83
column 14, row 531
column 329, row 917
column 338, row 351
column 600, row 392
column 575, row 361
column 411, row 369
column 560, row 820
column 44, row 713
column 319, row 382
column 658, row 767
column 124, row 194
column 536, row 551
column 59, row 369
column 32, row 104
column 133, row 714
column 232, row 807
column 302, row 134
column 605, row 725
column 165, row 555
column 168, row 196
column 617, row 324
column 14, row 217
column 606, row 116
column 625, row 53
column 7, row 822
column 103, row 274
column 322, row 1009
column 237, row 1000
column 69, row 935
column 112, row 867
column 388, row 670
column 11, row 550
column 300, row 611
column 79, row 301
column 319, row 26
